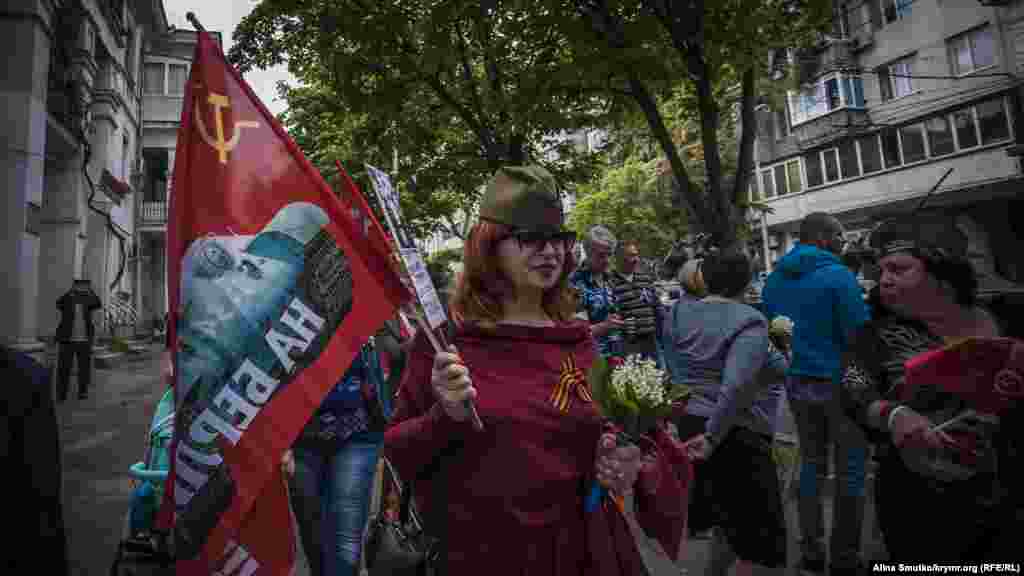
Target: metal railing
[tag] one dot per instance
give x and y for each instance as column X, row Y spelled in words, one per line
column 119, row 314
column 154, row 212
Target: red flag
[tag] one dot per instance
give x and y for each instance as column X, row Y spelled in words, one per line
column 362, row 214
column 987, row 373
column 264, row 265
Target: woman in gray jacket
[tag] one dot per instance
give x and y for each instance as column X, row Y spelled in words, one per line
column 719, row 348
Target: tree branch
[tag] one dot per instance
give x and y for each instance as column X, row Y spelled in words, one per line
column 748, row 120
column 649, row 106
column 494, row 75
column 476, row 125
column 490, row 144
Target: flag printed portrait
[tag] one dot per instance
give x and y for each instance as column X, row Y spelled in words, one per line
column 273, row 291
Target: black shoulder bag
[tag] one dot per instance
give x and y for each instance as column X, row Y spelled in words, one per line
column 405, row 547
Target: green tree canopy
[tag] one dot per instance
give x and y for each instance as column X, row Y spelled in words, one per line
column 631, row 202
column 457, row 88
column 721, row 52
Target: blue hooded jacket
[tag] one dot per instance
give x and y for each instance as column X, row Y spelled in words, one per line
column 825, row 302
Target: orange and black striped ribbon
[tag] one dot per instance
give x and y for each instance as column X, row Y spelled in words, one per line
column 571, row 380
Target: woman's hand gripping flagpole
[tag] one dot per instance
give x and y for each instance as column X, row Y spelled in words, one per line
column 425, row 291
column 440, row 345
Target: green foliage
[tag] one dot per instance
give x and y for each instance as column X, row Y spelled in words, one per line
column 633, row 204
column 440, row 263
column 717, row 55
column 457, row 88
column 636, row 415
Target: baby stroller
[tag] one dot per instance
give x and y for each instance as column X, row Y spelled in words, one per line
column 143, row 549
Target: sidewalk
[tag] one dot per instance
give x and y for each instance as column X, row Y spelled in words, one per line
column 102, row 437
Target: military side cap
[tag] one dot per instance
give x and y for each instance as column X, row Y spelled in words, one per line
column 523, row 197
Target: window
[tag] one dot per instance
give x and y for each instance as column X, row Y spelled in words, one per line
column 894, row 79
column 126, row 142
column 891, row 147
column 793, row 171
column 153, row 78
column 129, row 57
column 858, row 18
column 992, row 121
column 893, row 10
column 848, row 159
column 831, row 165
column 176, row 76
column 853, row 91
column 831, row 93
column 966, row 133
column 814, row 174
column 870, row 155
column 780, row 180
column 972, row 51
column 913, row 143
column 767, row 184
column 940, row 136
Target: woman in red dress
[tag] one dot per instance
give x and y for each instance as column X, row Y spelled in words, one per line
column 509, row 501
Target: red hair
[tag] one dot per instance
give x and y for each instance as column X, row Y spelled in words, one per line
column 481, row 286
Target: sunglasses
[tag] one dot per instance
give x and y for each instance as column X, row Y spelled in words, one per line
column 537, row 239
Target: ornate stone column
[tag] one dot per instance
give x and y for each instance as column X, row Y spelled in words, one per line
column 25, row 31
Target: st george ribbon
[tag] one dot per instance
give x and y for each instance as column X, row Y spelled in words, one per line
column 272, row 294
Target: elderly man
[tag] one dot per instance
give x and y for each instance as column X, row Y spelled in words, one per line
column 595, row 293
column 635, row 301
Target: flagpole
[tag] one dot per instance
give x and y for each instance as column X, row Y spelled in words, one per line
column 191, row 17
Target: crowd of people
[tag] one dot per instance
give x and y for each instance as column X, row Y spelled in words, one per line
column 526, row 321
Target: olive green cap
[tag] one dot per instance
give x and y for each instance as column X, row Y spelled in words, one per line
column 523, row 197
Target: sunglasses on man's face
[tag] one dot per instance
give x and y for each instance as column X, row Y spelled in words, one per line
column 537, row 239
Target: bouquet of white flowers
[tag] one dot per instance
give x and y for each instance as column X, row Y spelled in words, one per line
column 633, row 393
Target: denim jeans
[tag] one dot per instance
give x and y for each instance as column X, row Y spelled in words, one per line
column 330, row 495
column 818, row 424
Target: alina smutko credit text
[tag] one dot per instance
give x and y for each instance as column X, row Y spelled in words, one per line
column 988, row 568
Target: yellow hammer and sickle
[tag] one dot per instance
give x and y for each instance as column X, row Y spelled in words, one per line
column 222, row 146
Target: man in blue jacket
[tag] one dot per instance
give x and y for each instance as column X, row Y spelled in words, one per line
column 813, row 288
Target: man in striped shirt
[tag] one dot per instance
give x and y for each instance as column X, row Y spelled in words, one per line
column 636, row 302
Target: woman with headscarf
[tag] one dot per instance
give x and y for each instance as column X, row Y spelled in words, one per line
column 936, row 497
column 510, row 499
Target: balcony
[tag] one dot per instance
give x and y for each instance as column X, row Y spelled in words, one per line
column 836, row 125
column 154, row 214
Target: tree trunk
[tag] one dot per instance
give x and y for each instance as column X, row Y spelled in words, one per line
column 689, row 196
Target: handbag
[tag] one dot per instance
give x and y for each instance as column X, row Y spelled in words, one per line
column 404, row 547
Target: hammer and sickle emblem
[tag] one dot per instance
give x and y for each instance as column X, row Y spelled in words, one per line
column 222, row 146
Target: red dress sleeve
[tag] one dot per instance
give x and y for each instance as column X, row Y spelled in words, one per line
column 419, row 428
column 662, row 493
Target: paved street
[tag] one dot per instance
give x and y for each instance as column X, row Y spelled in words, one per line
column 103, row 436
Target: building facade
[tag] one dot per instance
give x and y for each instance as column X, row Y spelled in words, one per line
column 900, row 93
column 72, row 94
column 165, row 70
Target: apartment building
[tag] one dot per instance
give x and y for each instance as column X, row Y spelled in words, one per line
column 71, row 92
column 901, row 92
column 165, row 70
